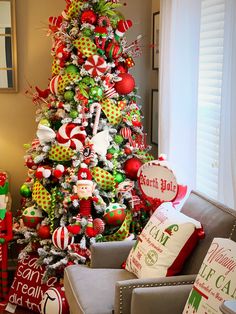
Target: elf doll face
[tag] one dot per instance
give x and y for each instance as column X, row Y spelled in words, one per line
column 84, row 190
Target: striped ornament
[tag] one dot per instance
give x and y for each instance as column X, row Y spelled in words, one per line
column 61, row 238
column 125, row 132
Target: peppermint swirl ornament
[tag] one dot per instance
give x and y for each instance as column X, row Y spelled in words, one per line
column 71, row 135
column 95, row 66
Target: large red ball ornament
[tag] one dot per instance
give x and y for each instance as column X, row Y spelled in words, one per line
column 44, row 232
column 131, row 167
column 88, row 16
column 126, row 85
column 32, row 216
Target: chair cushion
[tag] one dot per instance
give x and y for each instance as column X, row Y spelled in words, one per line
column 92, row 290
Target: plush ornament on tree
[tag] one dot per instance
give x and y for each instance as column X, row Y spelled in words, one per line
column 61, row 238
column 115, row 214
column 44, row 232
column 32, row 216
column 100, row 33
column 54, row 301
column 122, row 27
column 89, row 16
column 126, row 84
column 131, row 167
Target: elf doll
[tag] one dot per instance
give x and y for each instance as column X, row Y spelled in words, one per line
column 84, row 189
column 5, row 233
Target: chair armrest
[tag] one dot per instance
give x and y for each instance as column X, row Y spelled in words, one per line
column 124, row 289
column 161, row 300
column 110, row 254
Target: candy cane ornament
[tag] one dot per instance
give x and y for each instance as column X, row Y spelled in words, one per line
column 98, row 108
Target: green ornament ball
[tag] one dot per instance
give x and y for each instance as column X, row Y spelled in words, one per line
column 119, row 177
column 25, row 191
column 69, row 95
column 71, row 69
column 87, row 32
column 112, row 151
column 73, row 114
column 89, row 81
column 96, row 93
column 118, row 139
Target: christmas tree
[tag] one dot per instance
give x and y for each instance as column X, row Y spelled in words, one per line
column 82, row 166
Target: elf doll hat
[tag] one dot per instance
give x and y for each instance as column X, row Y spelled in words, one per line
column 84, row 176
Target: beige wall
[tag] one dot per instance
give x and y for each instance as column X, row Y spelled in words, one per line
column 17, row 112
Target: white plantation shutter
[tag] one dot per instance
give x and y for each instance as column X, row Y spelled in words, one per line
column 210, row 96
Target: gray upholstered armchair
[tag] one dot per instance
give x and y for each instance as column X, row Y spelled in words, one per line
column 105, row 288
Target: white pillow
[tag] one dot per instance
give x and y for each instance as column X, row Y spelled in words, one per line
column 164, row 244
column 216, row 279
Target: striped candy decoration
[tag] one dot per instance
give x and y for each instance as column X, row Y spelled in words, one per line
column 95, row 65
column 126, row 133
column 61, row 238
column 71, row 135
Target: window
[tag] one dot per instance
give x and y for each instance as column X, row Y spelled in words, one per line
column 211, row 58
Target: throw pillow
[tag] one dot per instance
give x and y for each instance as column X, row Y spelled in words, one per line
column 27, row 289
column 164, row 244
column 216, row 279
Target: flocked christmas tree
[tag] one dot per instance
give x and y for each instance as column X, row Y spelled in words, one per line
column 82, row 166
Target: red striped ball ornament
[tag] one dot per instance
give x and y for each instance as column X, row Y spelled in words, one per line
column 61, row 238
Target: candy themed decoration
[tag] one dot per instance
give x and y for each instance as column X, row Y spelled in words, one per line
column 123, row 232
column 61, row 238
column 60, row 153
column 41, row 196
column 54, row 301
column 122, row 27
column 96, row 106
column 111, row 111
column 59, row 83
column 71, row 135
column 32, row 216
column 103, row 178
column 82, row 165
column 95, row 66
column 126, row 84
column 45, row 134
column 86, row 46
column 115, row 214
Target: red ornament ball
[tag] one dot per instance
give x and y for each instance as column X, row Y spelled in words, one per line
column 131, row 167
column 115, row 214
column 126, row 85
column 44, row 232
column 89, row 16
column 127, row 151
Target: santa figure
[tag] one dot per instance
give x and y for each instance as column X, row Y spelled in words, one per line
column 5, row 234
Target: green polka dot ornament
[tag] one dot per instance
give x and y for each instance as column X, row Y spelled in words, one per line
column 32, row 216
